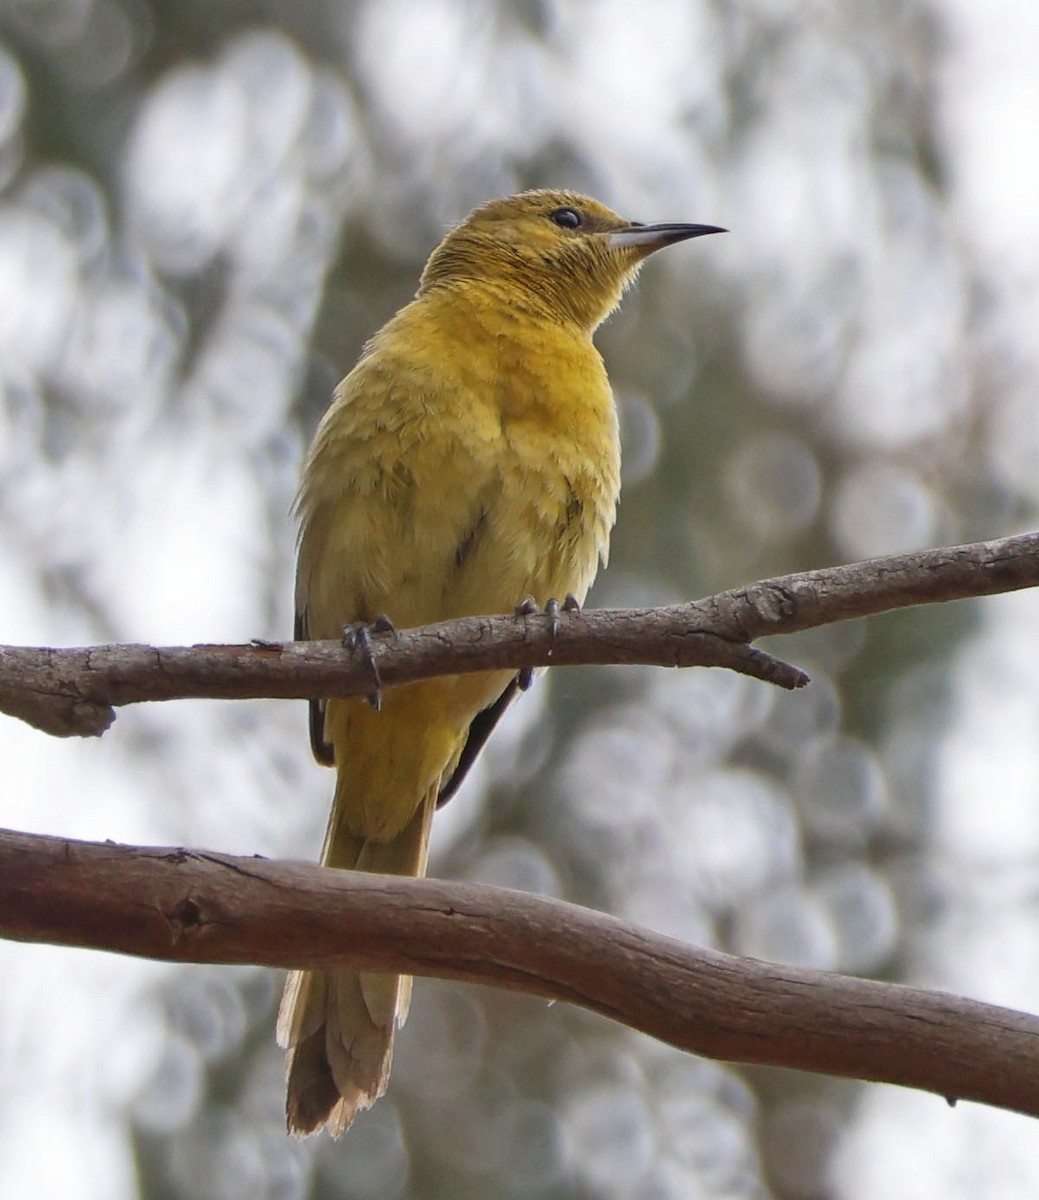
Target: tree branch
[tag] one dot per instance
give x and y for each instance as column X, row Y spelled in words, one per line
column 72, row 692
column 186, row 906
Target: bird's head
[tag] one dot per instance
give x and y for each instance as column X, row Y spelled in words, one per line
column 554, row 252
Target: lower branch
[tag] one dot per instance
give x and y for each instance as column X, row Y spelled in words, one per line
column 185, row 906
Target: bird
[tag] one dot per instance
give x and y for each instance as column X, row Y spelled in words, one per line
column 468, row 463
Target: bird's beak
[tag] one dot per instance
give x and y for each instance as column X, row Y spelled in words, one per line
column 648, row 238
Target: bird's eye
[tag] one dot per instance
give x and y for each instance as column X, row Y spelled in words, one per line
column 566, row 218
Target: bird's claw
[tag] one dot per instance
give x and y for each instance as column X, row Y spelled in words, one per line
column 383, row 624
column 553, row 608
column 552, row 611
column 359, row 637
column 528, row 606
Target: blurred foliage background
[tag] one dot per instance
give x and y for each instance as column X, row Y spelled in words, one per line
column 205, row 209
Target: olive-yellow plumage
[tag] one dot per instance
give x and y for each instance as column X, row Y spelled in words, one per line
column 468, row 461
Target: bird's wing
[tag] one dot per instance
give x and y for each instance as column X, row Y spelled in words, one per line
column 322, row 749
column 480, row 729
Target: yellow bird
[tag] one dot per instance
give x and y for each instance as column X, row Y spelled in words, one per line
column 468, row 461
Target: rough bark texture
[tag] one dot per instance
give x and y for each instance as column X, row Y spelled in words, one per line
column 187, row 906
column 73, row 692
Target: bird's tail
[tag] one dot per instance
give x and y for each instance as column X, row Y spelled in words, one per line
column 338, row 1028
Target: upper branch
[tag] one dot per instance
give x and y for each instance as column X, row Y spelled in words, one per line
column 72, row 692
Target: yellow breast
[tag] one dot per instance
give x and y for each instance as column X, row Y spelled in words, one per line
column 469, row 459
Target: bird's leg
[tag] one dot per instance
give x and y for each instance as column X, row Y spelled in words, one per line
column 359, row 637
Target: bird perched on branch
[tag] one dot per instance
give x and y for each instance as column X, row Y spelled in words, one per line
column 468, row 461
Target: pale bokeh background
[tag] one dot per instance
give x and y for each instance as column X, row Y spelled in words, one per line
column 204, row 210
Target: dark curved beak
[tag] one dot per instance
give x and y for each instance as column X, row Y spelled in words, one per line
column 648, row 238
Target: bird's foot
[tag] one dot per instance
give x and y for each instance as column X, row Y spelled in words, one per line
column 359, row 637
column 528, row 606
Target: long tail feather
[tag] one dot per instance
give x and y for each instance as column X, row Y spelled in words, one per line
column 338, row 1028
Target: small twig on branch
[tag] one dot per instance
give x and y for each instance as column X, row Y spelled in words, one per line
column 185, row 906
column 73, row 692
